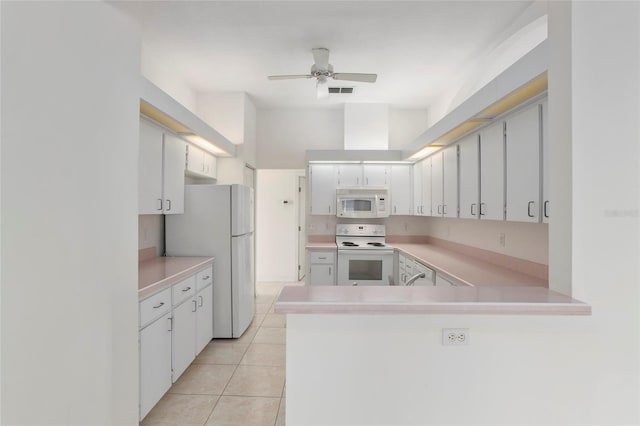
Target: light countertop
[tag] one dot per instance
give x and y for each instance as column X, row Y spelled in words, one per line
column 426, row 300
column 321, row 245
column 158, row 273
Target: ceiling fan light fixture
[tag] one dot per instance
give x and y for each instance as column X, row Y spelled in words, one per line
column 322, row 88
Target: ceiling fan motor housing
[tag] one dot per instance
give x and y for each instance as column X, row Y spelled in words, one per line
column 318, row 72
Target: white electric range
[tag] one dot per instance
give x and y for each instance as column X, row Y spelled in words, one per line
column 363, row 256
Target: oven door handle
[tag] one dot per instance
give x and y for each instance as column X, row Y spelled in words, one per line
column 365, row 252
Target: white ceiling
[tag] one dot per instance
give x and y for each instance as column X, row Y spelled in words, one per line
column 417, row 48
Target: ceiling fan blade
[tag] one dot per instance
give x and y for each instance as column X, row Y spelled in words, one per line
column 367, row 78
column 321, row 58
column 288, row 77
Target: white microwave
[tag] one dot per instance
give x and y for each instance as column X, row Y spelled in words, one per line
column 362, row 202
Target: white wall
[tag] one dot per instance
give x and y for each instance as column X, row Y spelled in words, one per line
column 276, row 225
column 151, row 232
column 70, row 108
column 366, row 126
column 405, row 125
column 284, row 135
column 516, row 369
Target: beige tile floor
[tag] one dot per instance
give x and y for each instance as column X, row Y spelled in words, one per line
column 234, row 381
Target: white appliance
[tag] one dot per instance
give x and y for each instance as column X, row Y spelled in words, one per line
column 363, row 256
column 362, row 202
column 218, row 222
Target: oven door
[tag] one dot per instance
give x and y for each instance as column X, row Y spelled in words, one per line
column 365, row 267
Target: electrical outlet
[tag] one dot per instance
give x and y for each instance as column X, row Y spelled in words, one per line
column 455, row 336
column 503, row 239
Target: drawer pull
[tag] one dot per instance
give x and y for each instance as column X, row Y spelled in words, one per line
column 186, row 289
column 195, row 306
column 201, row 301
column 324, row 257
column 159, row 306
column 206, row 278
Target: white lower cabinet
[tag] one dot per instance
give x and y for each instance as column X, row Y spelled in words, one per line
column 155, row 362
column 322, row 267
column 175, row 325
column 408, row 267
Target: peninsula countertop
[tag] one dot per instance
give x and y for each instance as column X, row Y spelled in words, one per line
column 426, row 300
column 158, row 273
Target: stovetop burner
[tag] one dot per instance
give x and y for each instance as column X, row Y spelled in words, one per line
column 376, row 244
column 349, row 244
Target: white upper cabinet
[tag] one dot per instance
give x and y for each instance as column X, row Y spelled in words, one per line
column 160, row 177
column 174, row 163
column 436, row 184
column 469, row 177
column 492, row 172
column 401, row 190
column 150, row 169
column 323, row 182
column 545, row 163
column 417, row 189
column 210, row 165
column 350, row 175
column 200, row 163
column 523, row 165
column 450, row 182
column 376, row 174
column 425, row 187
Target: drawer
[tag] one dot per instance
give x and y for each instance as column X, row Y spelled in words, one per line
column 322, row 257
column 154, row 307
column 204, row 278
column 184, row 290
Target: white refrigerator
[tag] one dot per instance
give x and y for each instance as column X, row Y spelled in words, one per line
column 218, row 221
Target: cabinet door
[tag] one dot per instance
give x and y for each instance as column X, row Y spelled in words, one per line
column 436, row 184
column 402, row 270
column 323, row 182
column 350, row 175
column 183, row 336
column 469, row 177
column 492, row 172
column 401, row 191
column 545, row 164
column 450, row 182
column 428, row 275
column 174, row 162
column 150, row 169
column 427, row 185
column 321, row 274
column 376, row 174
column 195, row 159
column 204, row 318
column 523, row 165
column 155, row 362
column 417, row 189
column 210, row 165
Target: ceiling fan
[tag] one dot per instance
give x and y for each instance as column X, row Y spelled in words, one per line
column 321, row 70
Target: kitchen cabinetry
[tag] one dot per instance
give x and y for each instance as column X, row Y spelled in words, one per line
column 161, row 163
column 204, row 309
column 469, row 176
column 401, row 191
column 422, row 188
column 184, row 327
column 408, row 267
column 323, row 182
column 322, row 267
column 545, row 163
column 200, row 163
column 522, row 144
column 492, row 172
column 363, row 175
column 155, row 349
column 444, row 183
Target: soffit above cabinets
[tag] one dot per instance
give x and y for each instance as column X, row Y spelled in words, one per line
column 160, row 107
column 523, row 81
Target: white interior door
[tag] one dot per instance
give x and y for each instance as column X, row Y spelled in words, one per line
column 302, row 194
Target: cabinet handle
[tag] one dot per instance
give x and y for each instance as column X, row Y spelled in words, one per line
column 472, row 205
column 546, row 214
column 438, row 209
column 169, row 202
column 201, row 301
column 159, row 306
column 394, row 209
column 322, row 257
column 443, row 209
column 329, row 208
column 170, row 324
column 529, row 208
column 481, row 209
column 329, row 270
column 206, row 278
column 160, row 199
column 195, row 306
column 367, row 183
column 186, row 289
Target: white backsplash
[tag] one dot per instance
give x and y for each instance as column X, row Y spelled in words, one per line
column 151, row 232
column 396, row 225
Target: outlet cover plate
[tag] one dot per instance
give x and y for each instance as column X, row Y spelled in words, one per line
column 455, row 336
